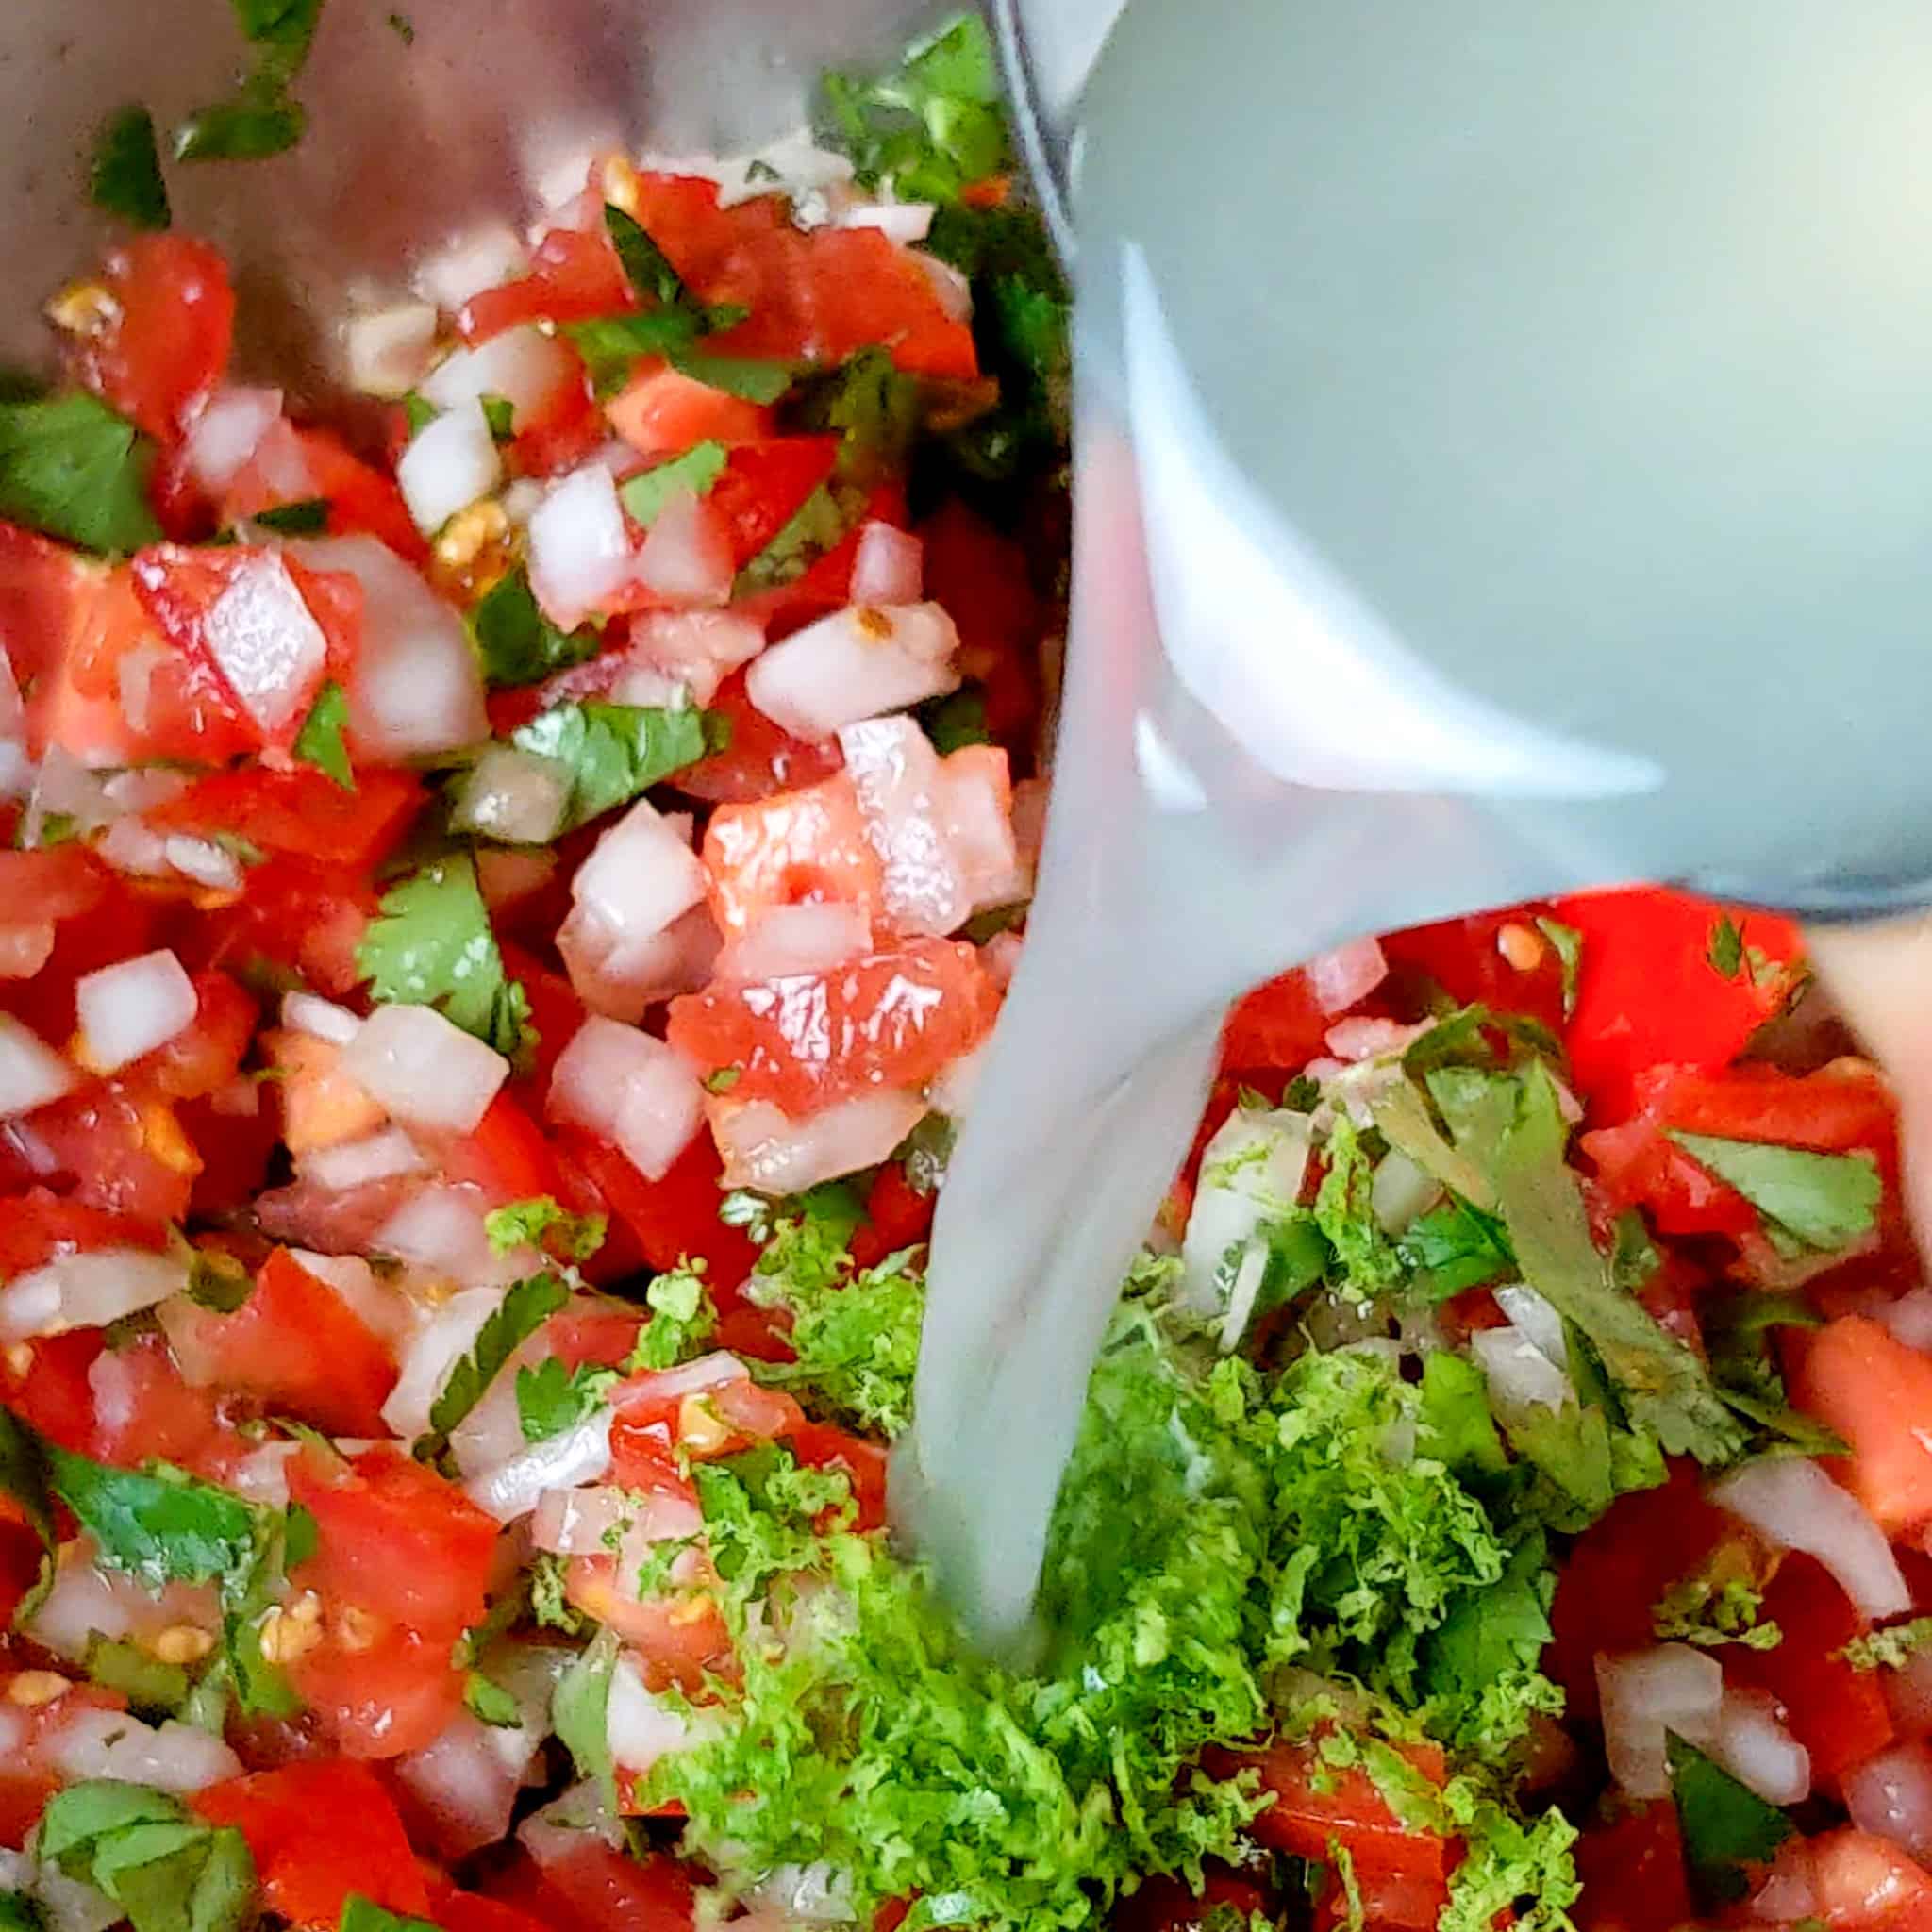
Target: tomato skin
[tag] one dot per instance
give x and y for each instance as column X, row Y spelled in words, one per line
column 819, row 1445
column 302, row 812
column 761, row 758
column 763, row 485
column 897, row 1215
column 166, row 346
column 319, row 1832
column 1277, row 1026
column 396, row 1695
column 123, row 1149
column 1875, row 1392
column 674, row 1217
column 574, row 276
column 23, row 1797
column 296, row 1347
column 393, row 1538
column 294, row 914
column 1837, row 1713
column 660, row 412
column 454, row 1910
column 38, row 1226
column 144, row 1410
column 1463, row 958
column 50, row 1391
column 1647, row 993
column 1633, row 1873
column 891, row 1018
column 982, row 579
column 1166, row 1905
column 507, row 1156
column 608, row 1890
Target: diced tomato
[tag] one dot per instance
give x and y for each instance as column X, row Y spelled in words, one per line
column 1837, row 1713
column 20, row 1561
column 297, row 915
column 507, row 1156
column 556, row 1010
column 1166, row 1905
column 897, row 1215
column 24, row 1796
column 204, row 1055
column 1875, row 1392
column 1316, row 1803
column 122, row 1150
column 164, row 343
column 378, row 1698
column 610, row 1889
column 1464, row 957
column 574, row 276
column 763, row 485
column 672, row 1218
column 819, row 1445
column 453, row 1910
column 235, row 1149
column 319, row 1832
column 827, row 585
column 297, row 1347
column 37, row 1226
column 144, row 1410
column 889, row 1019
column 1858, row 1882
column 982, row 579
column 1633, row 1873
column 785, row 850
column 678, row 1638
column 1616, row 1572
column 662, row 413
column 46, row 1384
column 392, row 1536
column 302, row 812
column 1278, row 1026
column 1648, row 994
column 603, row 1337
column 564, row 429
column 651, row 1419
column 758, row 758
column 294, row 465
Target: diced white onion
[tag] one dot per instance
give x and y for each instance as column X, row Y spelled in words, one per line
column 857, row 663
column 518, row 797
column 264, row 637
column 416, row 688
column 809, row 938
column 1910, row 1318
column 303, row 1012
column 85, row 1291
column 898, row 221
column 354, row 1163
column 224, row 435
column 1400, row 1190
column 578, row 1455
column 449, row 463
column 696, row 647
column 463, row 1784
column 951, row 1091
column 765, row 1149
column 1251, row 1173
column 1521, row 1376
column 262, row 1474
column 85, row 1601
column 172, row 1756
column 387, row 350
column 588, row 1522
column 642, row 875
column 953, row 291
column 70, row 1905
column 888, row 566
column 382, row 1308
column 814, row 1894
column 201, row 861
column 443, row 1341
column 424, row 1069
column 470, row 263
column 686, row 555
column 1361, row 1038
column 1892, row 1794
column 1792, row 1503
column 620, row 978
column 522, row 365
column 1338, row 980
column 1537, row 1320
column 580, row 549
column 31, row 1073
column 440, row 1228
column 1752, row 1744
column 643, row 1726
column 131, row 1007
column 642, row 1095
column 567, row 1823
column 1647, row 1693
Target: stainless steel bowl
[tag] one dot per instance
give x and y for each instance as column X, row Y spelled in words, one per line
column 409, row 144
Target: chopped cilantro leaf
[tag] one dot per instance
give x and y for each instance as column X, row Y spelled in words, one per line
column 645, row 266
column 1823, row 1201
column 360, row 1914
column 160, row 1527
column 612, row 345
column 217, row 1281
column 19, row 1913
column 499, row 414
column 147, row 1683
column 23, row 1480
column 1726, row 1827
column 419, row 412
column 517, row 644
column 125, row 178
column 541, row 1222
column 1890, row 1649
column 615, row 752
column 752, row 379
column 525, row 1307
column 550, row 1606
column 578, row 1710
column 646, row 493
column 251, row 126
column 956, row 720
column 307, row 518
column 1702, row 1611
column 723, row 1079
column 1726, row 949
column 1567, row 945
column 874, row 407
column 682, row 1317
column 1453, row 1247
column 814, row 528
column 431, row 944
column 489, row 1703
column 1480, row 1669
column 552, row 1399
column 166, row 1870
column 320, row 741
column 71, row 469
column 1345, row 1213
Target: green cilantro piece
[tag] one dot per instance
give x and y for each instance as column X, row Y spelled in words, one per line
column 125, row 181
column 489, row 1703
column 814, row 527
column 872, row 405
column 1822, row 1201
column 1520, row 1867
column 956, row 720
column 19, row 1913
column 1345, row 1213
column 517, row 644
column 723, row 1079
column 682, row 1319
column 160, row 1527
column 1890, row 1649
column 931, row 127
column 147, row 1683
column 360, row 1914
column 320, row 741
column 610, row 345
column 550, row 1607
column 752, row 379
column 71, row 469
column 1709, row 1614
column 552, row 1399
column 645, row 266
column 541, row 1222
column 251, row 126
column 1480, row 1666
column 1567, row 945
column 1461, row 1431
column 307, row 517
column 499, row 413
column 578, row 1713
column 613, row 753
column 419, row 412
column 1454, row 1247
column 525, row 1307
column 646, row 493
column 166, row 1869
column 23, row 1480
column 1726, row 949
column 402, row 28
column 1726, row 1827
column 431, row 944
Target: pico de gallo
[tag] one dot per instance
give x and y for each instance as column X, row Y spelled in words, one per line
column 499, row 927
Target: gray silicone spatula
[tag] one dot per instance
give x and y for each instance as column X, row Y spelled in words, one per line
column 1504, row 462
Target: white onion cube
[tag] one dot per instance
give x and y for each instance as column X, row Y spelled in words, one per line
column 129, row 1008
column 264, row 637
column 447, row 466
column 641, row 876
column 580, row 548
column 627, row 1088
column 857, row 663
column 31, row 1073
column 425, row 1070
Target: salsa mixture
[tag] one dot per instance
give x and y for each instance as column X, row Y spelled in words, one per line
column 503, row 901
